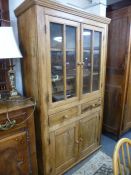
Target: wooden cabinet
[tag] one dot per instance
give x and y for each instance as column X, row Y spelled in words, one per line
column 17, row 139
column 117, row 93
column 64, row 70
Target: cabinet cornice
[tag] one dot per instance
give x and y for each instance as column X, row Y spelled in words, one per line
column 60, row 7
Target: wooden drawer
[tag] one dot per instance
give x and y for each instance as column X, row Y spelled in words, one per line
column 60, row 117
column 17, row 117
column 86, row 107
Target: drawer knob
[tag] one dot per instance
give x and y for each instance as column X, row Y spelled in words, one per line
column 65, row 117
column 93, row 105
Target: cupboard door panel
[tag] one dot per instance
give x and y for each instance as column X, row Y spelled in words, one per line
column 14, row 153
column 64, row 147
column 89, row 133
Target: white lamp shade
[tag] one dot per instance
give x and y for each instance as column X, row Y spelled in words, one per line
column 8, row 45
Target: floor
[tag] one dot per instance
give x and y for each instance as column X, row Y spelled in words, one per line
column 108, row 145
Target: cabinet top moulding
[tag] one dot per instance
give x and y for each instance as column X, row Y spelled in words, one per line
column 60, row 7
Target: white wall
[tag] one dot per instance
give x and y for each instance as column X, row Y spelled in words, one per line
column 97, row 7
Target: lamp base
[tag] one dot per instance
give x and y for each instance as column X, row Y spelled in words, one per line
column 14, row 94
column 11, row 74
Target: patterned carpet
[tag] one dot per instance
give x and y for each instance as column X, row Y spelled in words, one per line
column 98, row 164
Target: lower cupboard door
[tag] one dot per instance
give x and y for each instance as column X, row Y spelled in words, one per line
column 63, row 148
column 89, row 134
column 14, row 155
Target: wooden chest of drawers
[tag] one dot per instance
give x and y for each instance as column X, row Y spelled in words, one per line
column 17, row 139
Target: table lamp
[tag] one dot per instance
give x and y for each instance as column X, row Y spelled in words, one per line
column 9, row 50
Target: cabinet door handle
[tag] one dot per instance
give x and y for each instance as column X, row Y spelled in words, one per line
column 81, row 139
column 7, row 125
column 79, row 63
column 77, row 141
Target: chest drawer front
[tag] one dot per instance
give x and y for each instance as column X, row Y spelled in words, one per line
column 63, row 116
column 16, row 117
column 86, row 107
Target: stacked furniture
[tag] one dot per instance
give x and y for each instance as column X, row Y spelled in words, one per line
column 117, row 113
column 64, row 62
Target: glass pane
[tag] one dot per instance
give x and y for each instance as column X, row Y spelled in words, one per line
column 57, row 76
column 70, row 37
column 95, row 82
column 56, row 36
column 96, row 60
column 87, row 36
column 70, row 61
column 70, row 74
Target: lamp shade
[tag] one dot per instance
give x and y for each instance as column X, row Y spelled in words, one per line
column 8, row 45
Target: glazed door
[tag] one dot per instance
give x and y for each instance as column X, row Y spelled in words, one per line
column 89, row 133
column 91, row 60
column 63, row 55
column 63, row 147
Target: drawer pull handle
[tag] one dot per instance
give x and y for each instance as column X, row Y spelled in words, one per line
column 7, row 125
column 94, row 105
column 65, row 116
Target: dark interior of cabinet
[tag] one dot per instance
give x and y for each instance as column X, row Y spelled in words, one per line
column 4, row 63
